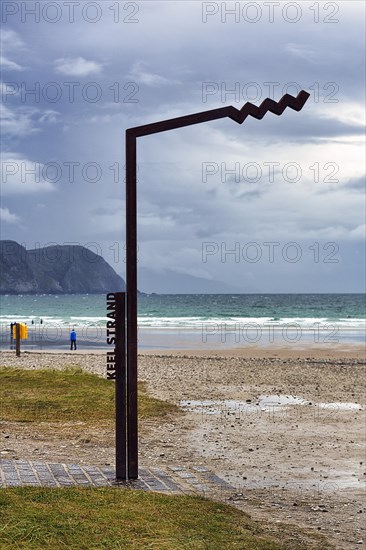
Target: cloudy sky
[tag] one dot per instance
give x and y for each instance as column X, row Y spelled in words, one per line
column 276, row 205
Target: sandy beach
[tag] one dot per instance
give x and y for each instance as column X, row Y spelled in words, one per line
column 286, row 427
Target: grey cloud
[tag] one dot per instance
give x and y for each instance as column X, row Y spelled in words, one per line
column 356, row 184
column 169, row 54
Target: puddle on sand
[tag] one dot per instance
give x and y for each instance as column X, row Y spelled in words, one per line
column 265, row 403
column 306, row 485
column 343, row 406
column 345, row 480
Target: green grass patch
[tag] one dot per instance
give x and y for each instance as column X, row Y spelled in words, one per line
column 69, row 395
column 33, row 518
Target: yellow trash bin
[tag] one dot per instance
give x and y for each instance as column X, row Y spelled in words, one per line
column 23, row 331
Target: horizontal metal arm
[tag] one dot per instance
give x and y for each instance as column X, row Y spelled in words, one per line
column 275, row 107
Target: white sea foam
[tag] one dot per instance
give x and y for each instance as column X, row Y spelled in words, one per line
column 249, row 323
column 199, row 323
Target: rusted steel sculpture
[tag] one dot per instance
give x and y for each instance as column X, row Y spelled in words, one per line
column 268, row 105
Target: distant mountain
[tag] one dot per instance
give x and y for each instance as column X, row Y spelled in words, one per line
column 60, row 269
column 168, row 281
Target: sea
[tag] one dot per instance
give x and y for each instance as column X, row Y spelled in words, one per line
column 191, row 321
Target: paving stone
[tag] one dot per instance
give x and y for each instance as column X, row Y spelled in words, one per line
column 218, row 481
column 155, row 484
column 13, row 483
column 175, row 479
column 185, row 475
column 144, row 488
column 64, row 480
column 99, row 483
column 91, row 470
column 56, row 469
column 156, row 471
column 43, row 476
column 199, row 468
column 11, row 475
column 168, row 481
column 193, row 481
column 79, row 478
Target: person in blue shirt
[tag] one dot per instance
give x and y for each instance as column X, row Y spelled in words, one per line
column 72, row 339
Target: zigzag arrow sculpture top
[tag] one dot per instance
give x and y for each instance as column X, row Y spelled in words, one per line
column 277, row 108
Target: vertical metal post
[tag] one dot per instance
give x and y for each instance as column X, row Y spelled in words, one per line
column 17, row 340
column 131, row 295
column 120, row 387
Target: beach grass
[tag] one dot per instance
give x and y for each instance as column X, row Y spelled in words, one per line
column 119, row 518
column 69, row 395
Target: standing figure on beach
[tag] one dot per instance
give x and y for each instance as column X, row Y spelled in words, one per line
column 73, row 339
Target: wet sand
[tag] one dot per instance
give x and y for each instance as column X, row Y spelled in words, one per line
column 299, row 460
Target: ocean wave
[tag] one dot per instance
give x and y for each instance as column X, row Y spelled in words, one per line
column 199, row 323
